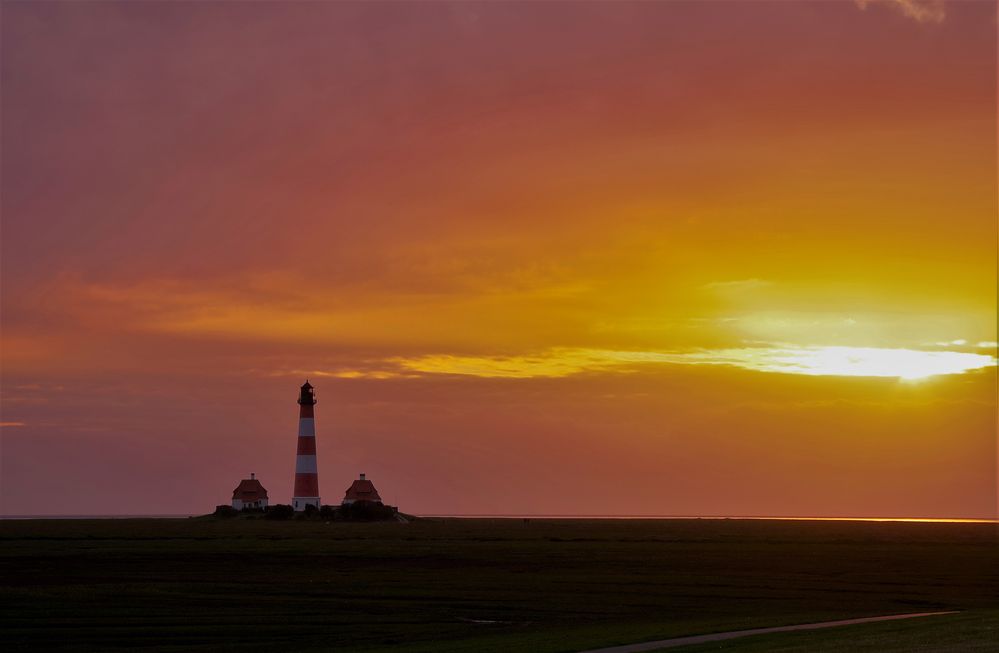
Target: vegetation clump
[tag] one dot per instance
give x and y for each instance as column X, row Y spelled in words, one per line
column 279, row 512
column 362, row 511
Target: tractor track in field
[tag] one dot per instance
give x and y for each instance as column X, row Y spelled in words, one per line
column 660, row 644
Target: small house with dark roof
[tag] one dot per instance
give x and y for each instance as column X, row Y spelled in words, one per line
column 361, row 491
column 249, row 494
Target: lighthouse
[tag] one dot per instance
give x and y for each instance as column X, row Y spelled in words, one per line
column 306, row 472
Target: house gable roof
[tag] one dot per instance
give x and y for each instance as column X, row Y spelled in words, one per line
column 249, row 489
column 362, row 490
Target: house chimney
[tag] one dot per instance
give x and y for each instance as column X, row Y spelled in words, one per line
column 252, row 476
column 362, row 477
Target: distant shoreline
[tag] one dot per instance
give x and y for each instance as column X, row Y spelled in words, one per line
column 918, row 520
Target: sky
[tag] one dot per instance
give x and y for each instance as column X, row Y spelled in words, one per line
column 674, row 258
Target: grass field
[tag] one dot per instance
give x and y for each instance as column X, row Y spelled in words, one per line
column 490, row 585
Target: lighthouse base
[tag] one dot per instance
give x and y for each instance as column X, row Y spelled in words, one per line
column 299, row 503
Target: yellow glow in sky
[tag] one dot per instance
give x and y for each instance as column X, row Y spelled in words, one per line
column 813, row 361
column 870, row 361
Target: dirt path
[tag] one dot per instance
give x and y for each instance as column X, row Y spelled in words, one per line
column 732, row 634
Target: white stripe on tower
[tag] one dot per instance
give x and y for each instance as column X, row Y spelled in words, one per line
column 305, row 465
column 306, row 470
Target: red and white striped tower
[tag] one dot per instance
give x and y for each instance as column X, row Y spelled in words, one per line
column 306, row 472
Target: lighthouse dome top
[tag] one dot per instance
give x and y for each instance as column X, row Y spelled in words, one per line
column 307, row 397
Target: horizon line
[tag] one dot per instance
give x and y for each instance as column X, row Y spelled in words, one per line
column 924, row 520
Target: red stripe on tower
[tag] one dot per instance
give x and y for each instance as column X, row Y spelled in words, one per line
column 306, row 472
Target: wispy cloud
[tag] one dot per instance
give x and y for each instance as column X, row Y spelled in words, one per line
column 738, row 285
column 782, row 359
column 557, row 362
column 11, row 424
column 963, row 343
column 357, row 372
column 923, row 11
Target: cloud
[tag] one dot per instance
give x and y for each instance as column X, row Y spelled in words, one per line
column 738, row 285
column 286, row 306
column 553, row 363
column 11, row 424
column 783, row 359
column 358, row 372
column 923, row 11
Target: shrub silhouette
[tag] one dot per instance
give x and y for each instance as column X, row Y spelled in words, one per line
column 279, row 511
column 366, row 511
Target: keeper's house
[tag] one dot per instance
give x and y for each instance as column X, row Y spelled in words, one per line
column 361, row 491
column 249, row 494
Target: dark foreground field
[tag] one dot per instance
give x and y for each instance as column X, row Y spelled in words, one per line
column 489, row 585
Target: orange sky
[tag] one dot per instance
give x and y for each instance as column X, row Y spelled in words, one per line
column 597, row 258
